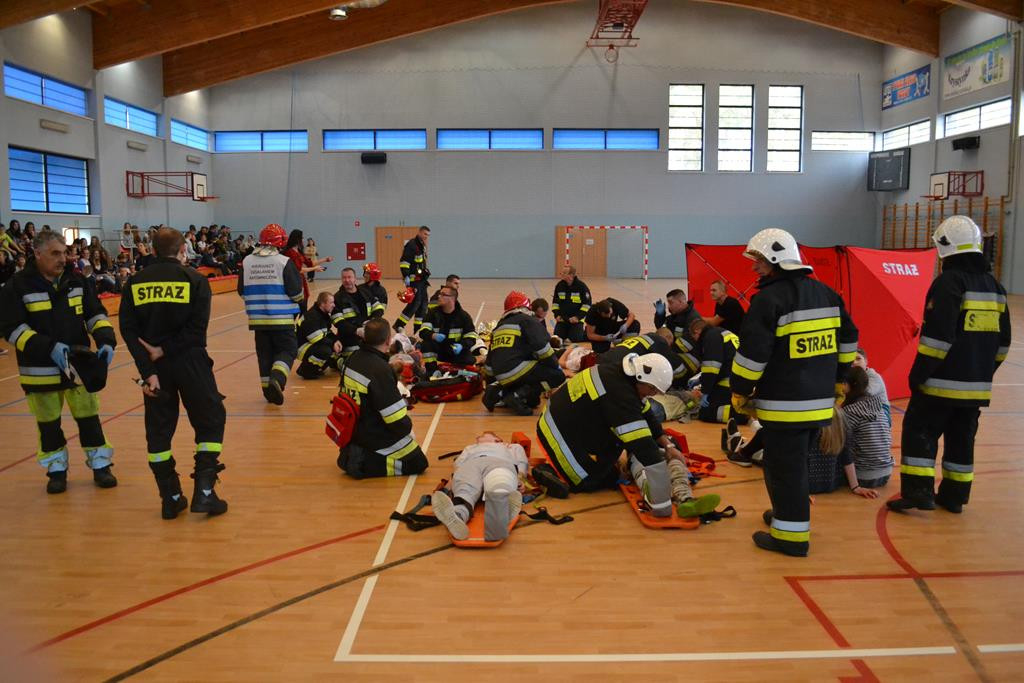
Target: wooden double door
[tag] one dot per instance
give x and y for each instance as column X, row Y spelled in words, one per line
column 588, row 251
column 388, row 244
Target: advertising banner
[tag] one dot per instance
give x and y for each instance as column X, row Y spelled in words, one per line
column 907, row 87
column 986, row 64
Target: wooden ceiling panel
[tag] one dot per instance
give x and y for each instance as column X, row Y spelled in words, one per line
column 893, row 22
column 1009, row 9
column 315, row 36
column 13, row 12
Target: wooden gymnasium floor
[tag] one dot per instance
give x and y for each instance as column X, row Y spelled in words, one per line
column 305, row 577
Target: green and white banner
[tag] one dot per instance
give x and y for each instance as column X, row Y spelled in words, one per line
column 977, row 67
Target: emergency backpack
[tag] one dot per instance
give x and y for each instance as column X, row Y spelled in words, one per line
column 341, row 421
column 461, row 384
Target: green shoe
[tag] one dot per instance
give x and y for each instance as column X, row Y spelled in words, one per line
column 695, row 507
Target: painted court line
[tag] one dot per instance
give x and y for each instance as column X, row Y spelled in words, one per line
column 846, row 653
column 1005, row 647
column 476, row 320
column 354, row 622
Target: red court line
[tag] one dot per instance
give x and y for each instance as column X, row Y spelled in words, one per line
column 866, row 674
column 121, row 414
column 883, row 537
column 816, row 611
column 195, row 586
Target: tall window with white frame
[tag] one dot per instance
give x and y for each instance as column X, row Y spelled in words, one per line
column 785, row 128
column 735, row 127
column 686, row 127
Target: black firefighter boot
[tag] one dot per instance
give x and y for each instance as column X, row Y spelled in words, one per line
column 204, row 498
column 169, row 485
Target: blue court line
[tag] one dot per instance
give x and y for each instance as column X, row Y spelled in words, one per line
column 121, row 365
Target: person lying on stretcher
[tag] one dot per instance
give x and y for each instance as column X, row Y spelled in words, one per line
column 493, row 470
column 683, row 500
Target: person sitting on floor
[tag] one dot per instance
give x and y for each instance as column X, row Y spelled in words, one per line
column 453, row 281
column 447, row 333
column 876, row 385
column 319, row 348
column 716, row 348
column 728, row 311
column 570, row 304
column 490, row 469
column 868, row 435
column 608, row 321
column 540, row 309
column 676, row 313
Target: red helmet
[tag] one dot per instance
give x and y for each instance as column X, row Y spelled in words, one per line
column 516, row 300
column 273, row 235
column 407, row 295
column 373, row 271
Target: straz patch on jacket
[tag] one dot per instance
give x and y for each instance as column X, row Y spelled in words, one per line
column 161, row 293
column 503, row 341
column 981, row 321
column 808, row 344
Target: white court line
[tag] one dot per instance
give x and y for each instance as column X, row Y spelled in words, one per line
column 1006, row 384
column 649, row 657
column 349, row 637
column 227, row 315
column 1005, row 647
column 476, row 320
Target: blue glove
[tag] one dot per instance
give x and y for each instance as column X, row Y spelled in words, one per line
column 106, row 352
column 406, row 280
column 439, row 337
column 59, row 355
column 610, row 337
column 456, row 348
column 622, row 330
column 659, row 307
column 693, row 381
column 705, row 401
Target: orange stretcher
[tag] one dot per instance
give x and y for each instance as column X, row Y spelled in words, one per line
column 639, row 506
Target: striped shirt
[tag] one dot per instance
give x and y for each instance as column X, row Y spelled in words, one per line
column 869, row 437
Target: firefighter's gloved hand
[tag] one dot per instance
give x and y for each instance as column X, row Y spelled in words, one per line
column 406, row 281
column 622, row 330
column 456, row 348
column 705, row 401
column 743, row 404
column 106, row 352
column 59, row 355
column 611, row 337
column 439, row 337
column 659, row 307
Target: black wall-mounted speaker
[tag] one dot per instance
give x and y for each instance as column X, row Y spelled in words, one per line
column 971, row 142
column 374, row 158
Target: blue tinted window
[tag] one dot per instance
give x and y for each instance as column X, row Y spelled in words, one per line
column 528, row 138
column 238, row 141
column 401, row 139
column 191, row 136
column 126, row 116
column 286, row 141
column 48, row 182
column 33, row 87
column 455, row 138
column 261, row 141
column 577, row 138
column 356, row 140
column 632, row 139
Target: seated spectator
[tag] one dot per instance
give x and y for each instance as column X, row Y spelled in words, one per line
column 6, row 266
column 607, row 321
column 728, row 311
column 868, row 435
column 876, row 385
column 208, row 260
column 490, row 470
column 8, row 244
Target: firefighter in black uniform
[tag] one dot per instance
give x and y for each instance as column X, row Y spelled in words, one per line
column 608, row 321
column 796, row 344
column 716, row 348
column 382, row 443
column 447, row 332
column 659, row 342
column 453, row 281
column 415, row 274
column 373, row 292
column 165, row 310
column 46, row 311
column 597, row 414
column 964, row 339
column 350, row 312
column 520, row 361
column 319, row 349
column 570, row 305
column 677, row 314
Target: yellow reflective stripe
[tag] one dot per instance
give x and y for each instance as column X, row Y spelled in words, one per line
column 160, row 457
column 25, row 336
column 999, row 356
column 38, row 306
column 209, row 447
column 316, row 336
column 795, row 415
column 963, row 394
column 752, row 375
column 847, row 357
column 100, row 324
column 918, row 471
column 559, row 455
column 806, row 326
column 709, row 369
column 929, row 351
column 794, row 536
column 635, row 434
column 724, row 382
column 957, row 476
column 44, row 379
column 396, row 416
column 975, row 305
column 398, row 455
column 276, row 322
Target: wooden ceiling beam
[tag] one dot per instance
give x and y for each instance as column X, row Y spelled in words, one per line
column 14, row 12
column 892, row 22
column 1008, row 9
column 142, row 29
column 315, row 36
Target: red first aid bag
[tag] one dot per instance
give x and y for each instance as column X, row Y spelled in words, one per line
column 341, row 422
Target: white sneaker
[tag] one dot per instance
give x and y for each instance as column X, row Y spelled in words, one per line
column 444, row 510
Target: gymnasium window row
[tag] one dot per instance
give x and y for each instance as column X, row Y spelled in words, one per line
column 519, row 139
column 189, row 135
column 47, row 183
column 990, row 115
column 735, row 127
column 49, row 92
column 124, row 115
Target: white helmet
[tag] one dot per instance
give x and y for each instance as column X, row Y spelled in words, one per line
column 776, row 246
column 957, row 235
column 649, row 368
